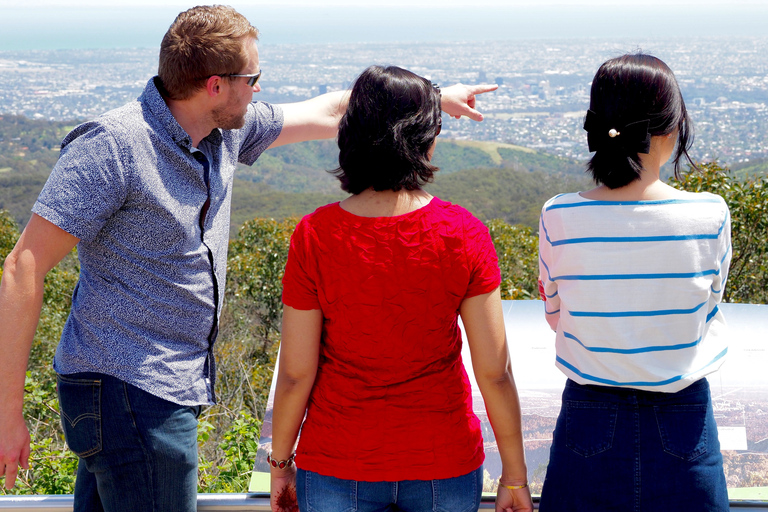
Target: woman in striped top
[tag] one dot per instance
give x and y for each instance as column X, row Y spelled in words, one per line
column 632, row 273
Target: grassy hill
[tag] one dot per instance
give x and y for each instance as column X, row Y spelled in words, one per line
column 493, row 180
column 506, row 193
column 753, row 168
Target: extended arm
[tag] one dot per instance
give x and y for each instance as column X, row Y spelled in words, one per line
column 40, row 248
column 484, row 324
column 299, row 354
column 318, row 118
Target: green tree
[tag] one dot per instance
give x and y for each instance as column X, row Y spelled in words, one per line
column 747, row 200
column 246, row 351
column 250, row 327
column 517, row 248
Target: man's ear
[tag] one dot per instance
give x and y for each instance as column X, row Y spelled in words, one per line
column 213, row 85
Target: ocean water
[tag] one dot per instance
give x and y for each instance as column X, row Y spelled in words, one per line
column 76, row 28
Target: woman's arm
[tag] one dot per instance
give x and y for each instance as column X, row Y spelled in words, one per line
column 299, row 354
column 484, row 325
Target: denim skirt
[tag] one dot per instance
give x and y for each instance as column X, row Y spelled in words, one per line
column 622, row 449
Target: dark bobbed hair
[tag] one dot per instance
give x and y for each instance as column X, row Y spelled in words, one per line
column 391, row 122
column 203, row 41
column 628, row 89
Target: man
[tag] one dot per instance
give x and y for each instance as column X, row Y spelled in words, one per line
column 144, row 192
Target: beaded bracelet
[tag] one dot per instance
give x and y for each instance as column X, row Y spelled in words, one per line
column 514, row 487
column 281, row 464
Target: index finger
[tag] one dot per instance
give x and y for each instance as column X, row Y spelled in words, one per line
column 482, row 88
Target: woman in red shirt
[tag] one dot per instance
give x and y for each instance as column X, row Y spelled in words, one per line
column 371, row 346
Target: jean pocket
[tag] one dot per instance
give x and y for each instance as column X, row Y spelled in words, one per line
column 329, row 493
column 459, row 494
column 589, row 427
column 80, row 410
column 683, row 429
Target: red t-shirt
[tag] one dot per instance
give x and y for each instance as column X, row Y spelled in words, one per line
column 391, row 400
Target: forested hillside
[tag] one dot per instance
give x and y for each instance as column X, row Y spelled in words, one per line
column 510, row 183
column 28, row 150
column 505, row 193
column 492, row 180
column 757, row 167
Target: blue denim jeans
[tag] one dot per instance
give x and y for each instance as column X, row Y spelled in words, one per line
column 621, row 449
column 137, row 452
column 319, row 493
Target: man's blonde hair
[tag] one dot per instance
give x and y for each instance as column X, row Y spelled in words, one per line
column 203, row 41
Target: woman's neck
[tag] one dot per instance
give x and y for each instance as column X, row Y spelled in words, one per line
column 647, row 188
column 386, row 203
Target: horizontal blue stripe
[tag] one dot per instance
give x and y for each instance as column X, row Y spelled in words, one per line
column 551, row 313
column 631, row 203
column 660, row 312
column 553, row 295
column 610, row 277
column 632, row 239
column 640, row 350
column 637, row 383
column 615, row 382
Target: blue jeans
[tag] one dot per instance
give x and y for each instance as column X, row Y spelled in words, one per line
column 621, row 449
column 319, row 493
column 137, row 452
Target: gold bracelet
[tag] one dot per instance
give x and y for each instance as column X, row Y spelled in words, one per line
column 514, row 487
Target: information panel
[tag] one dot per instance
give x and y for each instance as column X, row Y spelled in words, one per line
column 739, row 394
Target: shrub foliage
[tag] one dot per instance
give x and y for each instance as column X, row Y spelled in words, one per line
column 249, row 335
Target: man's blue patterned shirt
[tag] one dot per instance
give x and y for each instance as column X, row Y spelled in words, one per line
column 151, row 286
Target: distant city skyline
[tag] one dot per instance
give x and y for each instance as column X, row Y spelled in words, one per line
column 50, row 24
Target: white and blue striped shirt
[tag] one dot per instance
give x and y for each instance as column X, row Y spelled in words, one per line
column 632, row 288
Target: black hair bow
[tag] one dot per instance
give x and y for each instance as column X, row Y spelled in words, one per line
column 630, row 138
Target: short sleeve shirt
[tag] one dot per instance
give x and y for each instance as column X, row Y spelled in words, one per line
column 151, row 275
column 636, row 285
column 391, row 400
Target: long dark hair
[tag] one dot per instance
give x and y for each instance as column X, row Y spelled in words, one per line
column 633, row 97
column 386, row 134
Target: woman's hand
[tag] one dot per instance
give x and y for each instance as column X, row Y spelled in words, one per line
column 282, row 490
column 513, row 500
column 299, row 353
column 459, row 100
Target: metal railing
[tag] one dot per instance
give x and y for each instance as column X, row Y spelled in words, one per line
column 254, row 502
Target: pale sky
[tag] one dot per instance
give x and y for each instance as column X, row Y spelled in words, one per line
column 70, row 24
column 13, row 4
